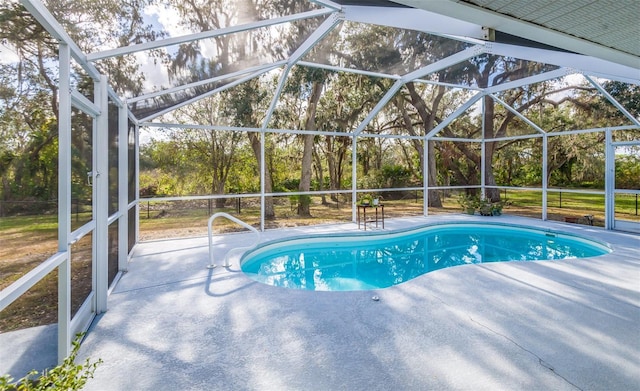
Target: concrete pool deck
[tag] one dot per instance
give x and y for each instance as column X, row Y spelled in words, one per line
column 173, row 324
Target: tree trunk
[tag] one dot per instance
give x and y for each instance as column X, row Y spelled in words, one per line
column 336, row 153
column 320, row 175
column 434, row 195
column 220, row 202
column 269, row 212
column 305, row 177
column 428, row 120
column 331, row 166
column 307, row 151
column 491, row 193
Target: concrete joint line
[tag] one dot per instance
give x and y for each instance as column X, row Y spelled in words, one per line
column 542, row 362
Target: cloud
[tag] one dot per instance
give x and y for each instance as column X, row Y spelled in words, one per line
column 8, row 55
column 167, row 19
column 156, row 75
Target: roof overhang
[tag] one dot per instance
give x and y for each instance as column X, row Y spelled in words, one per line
column 582, row 44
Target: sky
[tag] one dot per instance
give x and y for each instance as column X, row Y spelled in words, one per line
column 7, row 55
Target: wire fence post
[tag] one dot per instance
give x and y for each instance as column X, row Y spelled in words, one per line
column 560, row 200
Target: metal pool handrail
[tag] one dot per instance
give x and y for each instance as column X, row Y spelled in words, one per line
column 235, row 220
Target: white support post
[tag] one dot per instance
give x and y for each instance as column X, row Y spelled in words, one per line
column 425, row 177
column 137, row 178
column 64, row 203
column 262, row 179
column 609, row 181
column 101, row 196
column 483, row 164
column 354, row 177
column 123, row 189
column 545, row 179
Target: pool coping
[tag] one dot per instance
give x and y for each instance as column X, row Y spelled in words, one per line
column 392, row 234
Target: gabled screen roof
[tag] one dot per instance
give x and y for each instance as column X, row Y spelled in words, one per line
column 177, row 52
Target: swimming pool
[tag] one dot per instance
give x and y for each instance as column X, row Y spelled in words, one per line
column 361, row 262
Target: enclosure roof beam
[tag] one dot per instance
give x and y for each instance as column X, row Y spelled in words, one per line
column 133, row 118
column 113, row 95
column 571, row 60
column 44, row 17
column 382, row 75
column 207, row 94
column 454, row 115
column 267, row 67
column 613, row 101
column 276, row 96
column 518, row 114
column 445, row 63
column 315, row 37
column 197, row 126
column 203, row 35
column 529, row 80
column 303, row 49
column 591, row 130
column 380, row 105
column 325, row 28
column 612, row 77
column 243, row 129
column 431, row 68
column 414, row 19
column 84, row 104
column 280, row 131
column 450, row 85
column 347, row 70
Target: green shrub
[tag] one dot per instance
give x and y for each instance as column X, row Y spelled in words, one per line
column 66, row 376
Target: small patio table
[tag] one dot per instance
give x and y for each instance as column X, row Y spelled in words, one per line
column 374, row 217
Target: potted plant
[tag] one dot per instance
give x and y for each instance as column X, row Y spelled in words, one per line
column 376, row 200
column 366, row 200
column 496, row 208
column 485, row 207
column 468, row 203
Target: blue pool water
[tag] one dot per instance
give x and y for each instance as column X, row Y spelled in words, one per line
column 359, row 262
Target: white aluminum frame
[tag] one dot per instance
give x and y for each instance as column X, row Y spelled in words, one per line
column 401, row 18
column 64, row 201
column 123, row 187
column 204, row 35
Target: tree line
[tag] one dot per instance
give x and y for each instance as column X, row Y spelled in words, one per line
column 206, row 161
